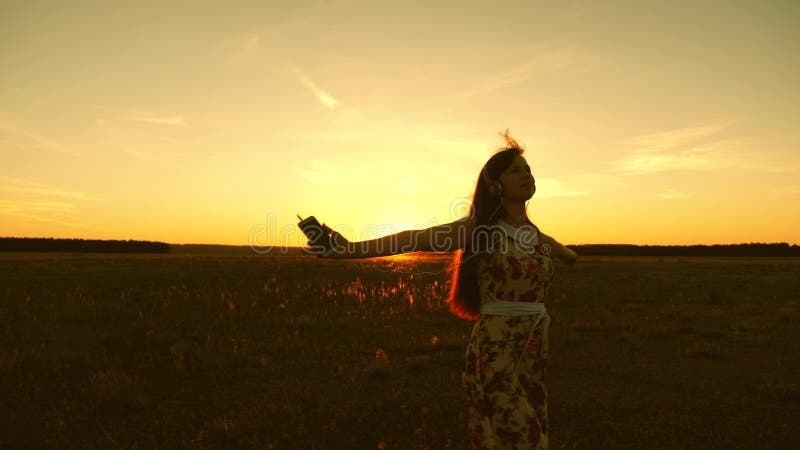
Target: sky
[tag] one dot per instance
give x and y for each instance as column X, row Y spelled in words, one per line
column 659, row 123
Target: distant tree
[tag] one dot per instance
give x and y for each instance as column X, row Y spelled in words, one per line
column 12, row 244
column 751, row 249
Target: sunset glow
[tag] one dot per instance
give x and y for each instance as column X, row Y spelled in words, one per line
column 644, row 123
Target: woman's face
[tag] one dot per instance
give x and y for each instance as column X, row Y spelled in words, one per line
column 517, row 180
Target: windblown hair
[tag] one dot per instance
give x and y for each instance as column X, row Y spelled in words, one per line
column 464, row 295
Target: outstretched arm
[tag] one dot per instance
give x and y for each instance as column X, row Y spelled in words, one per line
column 447, row 237
column 560, row 251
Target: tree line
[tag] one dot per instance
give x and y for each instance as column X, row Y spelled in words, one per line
column 750, row 249
column 12, row 244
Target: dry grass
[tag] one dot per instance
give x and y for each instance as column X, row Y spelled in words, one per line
column 193, row 351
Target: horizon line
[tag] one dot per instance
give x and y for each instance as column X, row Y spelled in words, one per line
column 300, row 247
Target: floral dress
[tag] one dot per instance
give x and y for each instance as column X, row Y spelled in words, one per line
column 504, row 379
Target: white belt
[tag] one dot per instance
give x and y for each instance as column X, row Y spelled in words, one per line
column 499, row 308
column 513, row 308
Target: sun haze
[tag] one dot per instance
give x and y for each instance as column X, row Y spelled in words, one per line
column 643, row 122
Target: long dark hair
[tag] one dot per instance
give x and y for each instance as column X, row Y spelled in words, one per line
column 464, row 298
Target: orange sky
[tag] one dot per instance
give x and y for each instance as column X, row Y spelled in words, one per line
column 203, row 122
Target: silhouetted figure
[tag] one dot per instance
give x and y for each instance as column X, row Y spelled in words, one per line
column 501, row 277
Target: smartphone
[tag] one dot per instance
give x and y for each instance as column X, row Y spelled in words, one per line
column 321, row 242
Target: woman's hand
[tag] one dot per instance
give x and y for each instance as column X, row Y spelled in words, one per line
column 341, row 246
column 569, row 257
column 559, row 251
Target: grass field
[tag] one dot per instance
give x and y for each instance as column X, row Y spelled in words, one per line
column 216, row 351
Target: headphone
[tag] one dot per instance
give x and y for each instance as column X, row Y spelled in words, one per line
column 494, row 186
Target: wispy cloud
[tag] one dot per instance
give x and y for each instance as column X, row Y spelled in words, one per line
column 127, row 130
column 707, row 147
column 551, row 60
column 16, row 185
column 40, row 202
column 551, row 187
column 45, row 219
column 563, row 59
column 137, row 115
column 666, row 140
column 46, row 206
column 324, row 97
column 124, row 140
column 691, row 148
column 685, row 159
column 175, row 120
column 673, row 194
column 23, row 138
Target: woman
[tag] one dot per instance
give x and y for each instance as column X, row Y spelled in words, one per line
column 501, row 277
